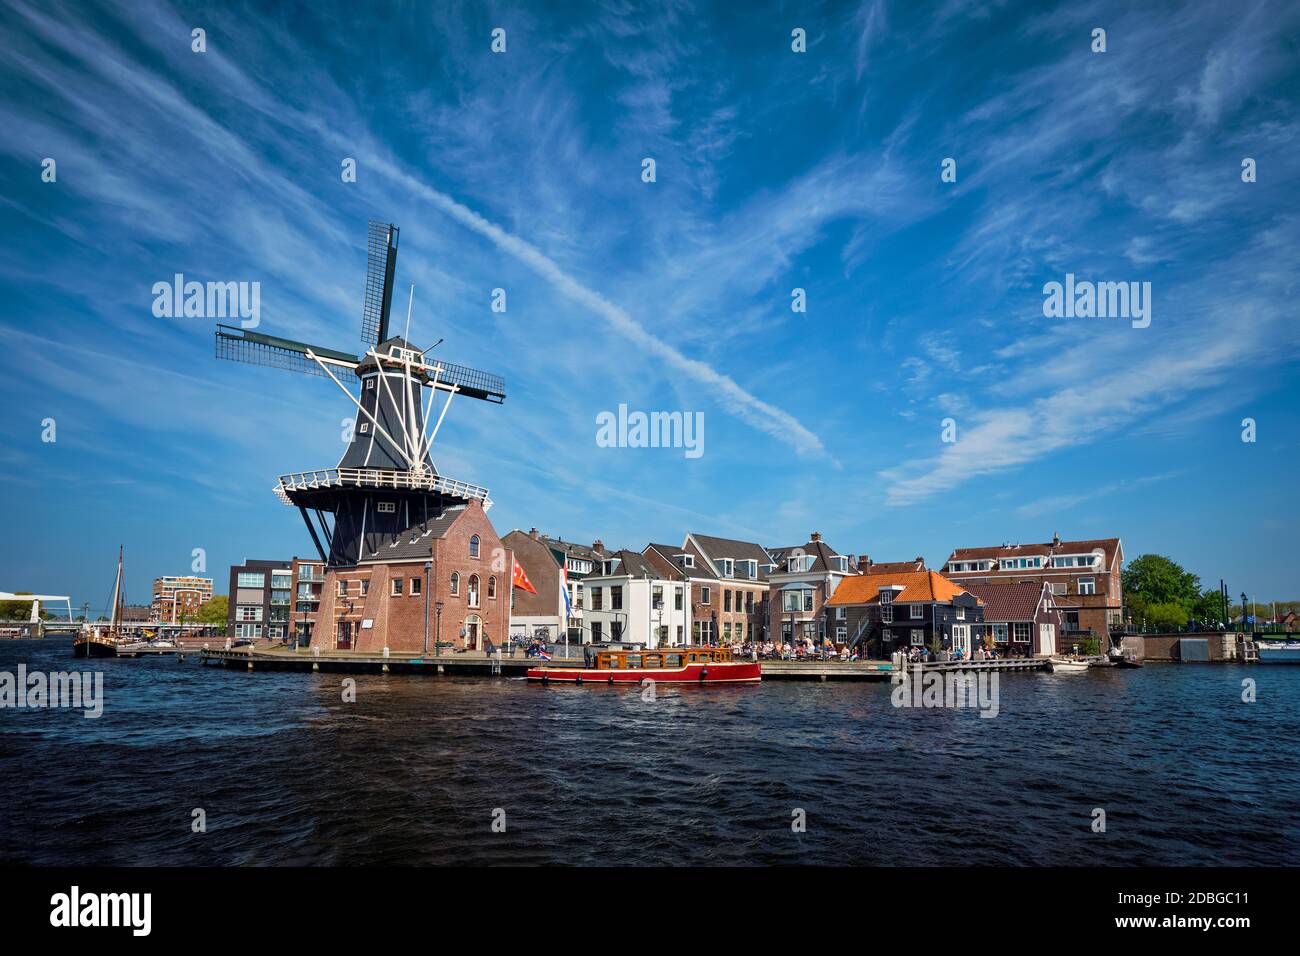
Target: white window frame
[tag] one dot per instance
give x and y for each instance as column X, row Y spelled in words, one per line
column 395, row 587
column 916, row 612
column 917, row 637
column 386, row 507
column 1087, row 585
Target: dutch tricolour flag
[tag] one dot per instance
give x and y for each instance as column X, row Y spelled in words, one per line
column 544, row 654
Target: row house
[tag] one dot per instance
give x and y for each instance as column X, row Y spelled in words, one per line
column 442, row 583
column 867, row 566
column 729, row 589
column 878, row 614
column 556, row 568
column 579, row 561
column 1084, row 577
column 637, row 598
column 1020, row 620
column 802, row 579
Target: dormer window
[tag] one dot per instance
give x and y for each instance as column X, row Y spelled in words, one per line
column 799, row 563
column 840, row 563
column 727, row 567
column 610, row 566
column 686, row 560
column 748, row 568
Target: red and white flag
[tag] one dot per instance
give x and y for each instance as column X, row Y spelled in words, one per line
column 521, row 579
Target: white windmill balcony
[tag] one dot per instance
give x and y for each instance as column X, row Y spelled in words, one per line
column 381, row 479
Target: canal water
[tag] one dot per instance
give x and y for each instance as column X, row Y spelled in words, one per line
column 417, row 770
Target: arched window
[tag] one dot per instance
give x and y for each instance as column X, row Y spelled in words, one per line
column 455, row 582
column 473, row 546
column 492, row 588
column 472, row 595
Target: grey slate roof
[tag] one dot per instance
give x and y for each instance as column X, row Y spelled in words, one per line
column 715, row 548
column 414, row 542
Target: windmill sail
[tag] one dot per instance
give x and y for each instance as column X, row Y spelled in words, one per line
column 253, row 348
column 381, row 261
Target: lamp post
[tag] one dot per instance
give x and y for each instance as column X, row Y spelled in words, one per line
column 437, row 642
column 428, row 566
column 1243, row 612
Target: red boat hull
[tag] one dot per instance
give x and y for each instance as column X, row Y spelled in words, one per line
column 730, row 672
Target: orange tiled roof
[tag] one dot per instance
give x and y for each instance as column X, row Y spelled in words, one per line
column 917, row 586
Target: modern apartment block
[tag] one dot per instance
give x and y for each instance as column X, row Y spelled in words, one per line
column 260, row 599
column 802, row 579
column 179, row 598
column 308, row 580
column 1084, row 577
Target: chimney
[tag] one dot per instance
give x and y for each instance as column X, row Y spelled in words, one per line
column 816, row 536
column 532, row 533
column 864, row 562
column 1056, row 539
column 598, row 545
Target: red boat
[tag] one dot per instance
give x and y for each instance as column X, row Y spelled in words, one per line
column 686, row 665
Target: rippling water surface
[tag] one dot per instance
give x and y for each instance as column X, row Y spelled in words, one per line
column 412, row 771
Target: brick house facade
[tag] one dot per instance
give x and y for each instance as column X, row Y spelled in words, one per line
column 801, row 580
column 1084, row 577
column 381, row 601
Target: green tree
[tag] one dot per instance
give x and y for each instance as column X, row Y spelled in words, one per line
column 216, row 611
column 1163, row 617
column 1152, row 580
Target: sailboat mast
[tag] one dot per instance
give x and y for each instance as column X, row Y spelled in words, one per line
column 117, row 596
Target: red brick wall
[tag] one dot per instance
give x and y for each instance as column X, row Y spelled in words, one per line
column 398, row 621
column 717, row 606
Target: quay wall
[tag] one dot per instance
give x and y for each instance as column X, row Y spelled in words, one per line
column 1221, row 645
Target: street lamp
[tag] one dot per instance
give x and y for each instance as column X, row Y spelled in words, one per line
column 1243, row 612
column 437, row 642
column 428, row 566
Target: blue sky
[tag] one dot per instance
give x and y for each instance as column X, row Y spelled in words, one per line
column 775, row 170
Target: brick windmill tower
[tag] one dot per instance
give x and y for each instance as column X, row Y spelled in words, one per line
column 411, row 560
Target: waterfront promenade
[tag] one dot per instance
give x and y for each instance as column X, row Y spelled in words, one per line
column 480, row 663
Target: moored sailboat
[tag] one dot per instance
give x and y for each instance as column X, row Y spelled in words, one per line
column 98, row 641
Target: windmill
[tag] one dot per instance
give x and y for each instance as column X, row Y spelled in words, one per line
column 385, row 485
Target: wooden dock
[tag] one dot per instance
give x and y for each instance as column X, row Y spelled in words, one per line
column 484, row 665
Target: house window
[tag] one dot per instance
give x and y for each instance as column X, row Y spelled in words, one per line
column 396, row 587
column 749, row 567
column 455, row 583
column 705, row 595
column 840, row 563
column 597, row 599
column 473, row 546
column 886, row 596
column 1000, row 633
column 472, row 595
column 616, row 597
column 250, row 579
column 916, row 612
column 386, row 507
column 677, row 598
column 841, row 634
column 686, row 560
column 595, row 631
column 960, row 612
column 799, row 563
column 918, row 637
column 416, row 584
column 841, row 613
column 749, row 602
column 1087, row 586
column 727, row 567
column 726, row 601
column 249, row 612
column 492, row 588
column 365, row 586
column 341, row 588
column 1020, row 632
column 887, row 613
